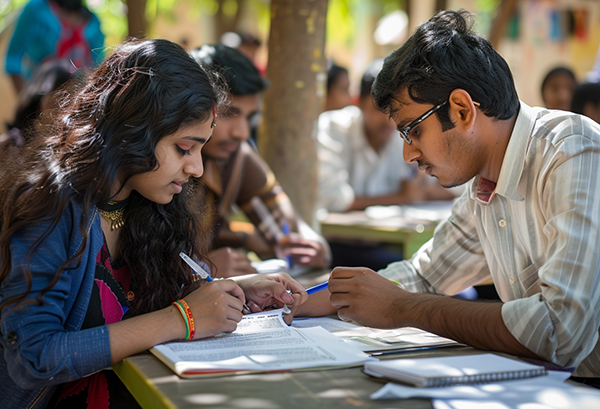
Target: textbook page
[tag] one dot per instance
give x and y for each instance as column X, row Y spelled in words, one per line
column 377, row 341
column 263, row 342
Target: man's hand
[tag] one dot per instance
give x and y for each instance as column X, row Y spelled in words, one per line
column 230, row 262
column 363, row 296
column 304, row 252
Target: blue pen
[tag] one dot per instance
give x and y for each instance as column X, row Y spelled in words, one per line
column 316, row 288
column 285, row 228
column 201, row 272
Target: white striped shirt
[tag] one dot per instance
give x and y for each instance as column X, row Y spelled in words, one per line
column 537, row 239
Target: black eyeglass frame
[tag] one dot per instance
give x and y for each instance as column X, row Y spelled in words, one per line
column 404, row 131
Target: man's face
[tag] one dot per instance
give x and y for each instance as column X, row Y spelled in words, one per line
column 233, row 126
column 378, row 125
column 558, row 92
column 453, row 157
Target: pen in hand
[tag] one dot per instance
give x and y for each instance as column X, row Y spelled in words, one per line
column 198, row 270
column 316, row 288
column 285, row 228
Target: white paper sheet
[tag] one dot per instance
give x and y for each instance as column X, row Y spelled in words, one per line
column 262, row 342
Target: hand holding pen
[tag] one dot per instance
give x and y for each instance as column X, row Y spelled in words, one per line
column 202, row 273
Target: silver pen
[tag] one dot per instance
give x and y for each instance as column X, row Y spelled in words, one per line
column 202, row 272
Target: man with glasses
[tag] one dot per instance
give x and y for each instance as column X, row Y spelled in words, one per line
column 529, row 218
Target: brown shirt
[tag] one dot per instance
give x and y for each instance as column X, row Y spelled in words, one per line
column 236, row 181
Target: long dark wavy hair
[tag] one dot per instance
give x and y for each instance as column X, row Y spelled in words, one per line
column 104, row 131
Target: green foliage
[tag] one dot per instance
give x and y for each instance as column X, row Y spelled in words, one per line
column 113, row 19
column 341, row 26
column 9, row 10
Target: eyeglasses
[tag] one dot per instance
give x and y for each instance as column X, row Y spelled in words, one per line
column 404, row 131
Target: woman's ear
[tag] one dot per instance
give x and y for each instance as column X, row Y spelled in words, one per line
column 462, row 108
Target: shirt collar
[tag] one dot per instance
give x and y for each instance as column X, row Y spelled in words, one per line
column 514, row 158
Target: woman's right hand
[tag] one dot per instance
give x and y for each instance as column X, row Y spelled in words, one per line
column 216, row 308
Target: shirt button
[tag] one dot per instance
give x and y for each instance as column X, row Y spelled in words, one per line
column 502, row 223
column 512, row 280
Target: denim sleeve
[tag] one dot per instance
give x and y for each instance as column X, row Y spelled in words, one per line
column 42, row 343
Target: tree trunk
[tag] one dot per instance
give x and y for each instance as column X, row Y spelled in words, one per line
column 136, row 18
column 505, row 10
column 297, row 72
column 225, row 23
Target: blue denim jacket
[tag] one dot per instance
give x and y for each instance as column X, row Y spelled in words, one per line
column 42, row 345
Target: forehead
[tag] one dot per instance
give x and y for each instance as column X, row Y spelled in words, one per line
column 403, row 109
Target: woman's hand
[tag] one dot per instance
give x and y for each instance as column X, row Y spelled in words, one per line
column 277, row 289
column 230, row 263
column 216, row 307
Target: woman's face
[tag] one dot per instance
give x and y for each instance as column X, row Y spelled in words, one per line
column 179, row 157
column 558, row 91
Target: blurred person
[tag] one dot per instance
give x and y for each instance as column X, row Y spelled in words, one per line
column 558, row 87
column 358, row 148
column 338, row 87
column 360, row 165
column 586, row 100
column 33, row 100
column 245, row 43
column 235, row 174
column 53, row 30
column 528, row 219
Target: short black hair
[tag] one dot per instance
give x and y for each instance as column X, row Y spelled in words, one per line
column 585, row 93
column 241, row 75
column 333, row 73
column 444, row 54
column 368, row 78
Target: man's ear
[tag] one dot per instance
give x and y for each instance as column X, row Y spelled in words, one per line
column 462, row 108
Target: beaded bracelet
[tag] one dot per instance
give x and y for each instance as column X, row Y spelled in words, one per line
column 186, row 313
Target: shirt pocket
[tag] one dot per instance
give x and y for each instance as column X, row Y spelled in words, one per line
column 530, row 280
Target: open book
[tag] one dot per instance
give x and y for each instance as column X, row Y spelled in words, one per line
column 262, row 342
column 453, row 370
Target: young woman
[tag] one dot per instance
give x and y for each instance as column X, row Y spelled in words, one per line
column 95, row 212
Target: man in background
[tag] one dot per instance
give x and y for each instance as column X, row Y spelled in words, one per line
column 53, row 30
column 586, row 100
column 236, row 176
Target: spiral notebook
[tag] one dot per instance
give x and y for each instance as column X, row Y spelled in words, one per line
column 453, row 370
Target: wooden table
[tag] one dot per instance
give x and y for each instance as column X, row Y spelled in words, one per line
column 154, row 385
column 407, row 227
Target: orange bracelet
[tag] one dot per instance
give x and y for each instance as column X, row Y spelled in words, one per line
column 186, row 313
column 190, row 319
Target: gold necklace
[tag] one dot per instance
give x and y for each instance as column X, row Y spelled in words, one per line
column 116, row 217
